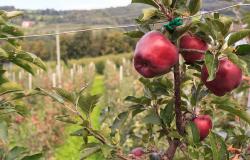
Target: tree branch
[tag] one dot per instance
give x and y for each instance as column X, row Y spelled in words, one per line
column 172, row 149
column 177, row 96
column 173, row 144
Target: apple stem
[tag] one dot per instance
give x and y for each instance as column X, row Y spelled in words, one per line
column 163, row 9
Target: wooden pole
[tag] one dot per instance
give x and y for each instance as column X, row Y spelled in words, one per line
column 53, row 80
column 121, row 73
column 58, row 58
column 30, row 81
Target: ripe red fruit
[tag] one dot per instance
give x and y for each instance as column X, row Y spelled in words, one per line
column 227, row 78
column 137, row 152
column 154, row 55
column 192, row 42
column 203, row 124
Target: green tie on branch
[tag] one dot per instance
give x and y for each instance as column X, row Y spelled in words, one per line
column 170, row 26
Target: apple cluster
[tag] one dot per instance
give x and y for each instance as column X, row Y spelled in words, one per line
column 155, row 55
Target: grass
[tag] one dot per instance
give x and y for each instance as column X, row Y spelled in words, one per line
column 70, row 150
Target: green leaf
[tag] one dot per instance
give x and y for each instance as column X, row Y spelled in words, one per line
column 9, row 87
column 21, row 108
column 167, row 114
column 2, row 20
column 216, row 15
column 23, row 64
column 67, row 96
column 54, row 96
column 135, row 34
column 11, row 30
column 227, row 21
column 194, row 6
column 80, row 132
column 106, row 150
column 214, row 148
column 243, row 49
column 3, row 131
column 167, row 2
column 239, row 62
column 218, row 147
column 2, row 152
column 119, row 121
column 3, row 54
column 152, row 118
column 88, row 102
column 138, row 100
column 16, row 152
column 229, row 106
column 193, row 133
column 66, row 119
column 31, row 58
column 149, row 2
column 88, row 151
column 138, row 110
column 178, row 32
column 211, row 62
column 37, row 156
column 148, row 14
column 236, row 36
column 218, row 25
column 223, row 148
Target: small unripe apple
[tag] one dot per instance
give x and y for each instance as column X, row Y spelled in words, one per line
column 227, row 78
column 137, row 152
column 192, row 42
column 154, row 55
column 204, row 125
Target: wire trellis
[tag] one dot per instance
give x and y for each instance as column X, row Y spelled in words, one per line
column 114, row 27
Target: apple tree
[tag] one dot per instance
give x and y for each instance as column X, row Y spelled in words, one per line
column 194, row 104
column 12, row 93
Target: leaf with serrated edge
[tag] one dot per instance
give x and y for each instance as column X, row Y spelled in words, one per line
column 236, row 36
column 194, row 6
column 211, row 62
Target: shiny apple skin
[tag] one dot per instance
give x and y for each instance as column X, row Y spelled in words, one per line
column 154, row 55
column 192, row 42
column 228, row 77
column 204, row 125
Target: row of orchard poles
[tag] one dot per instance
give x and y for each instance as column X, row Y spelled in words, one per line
column 57, row 79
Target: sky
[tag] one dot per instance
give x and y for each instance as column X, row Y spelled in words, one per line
column 64, row 4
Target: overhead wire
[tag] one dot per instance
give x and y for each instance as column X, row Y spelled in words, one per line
column 114, row 27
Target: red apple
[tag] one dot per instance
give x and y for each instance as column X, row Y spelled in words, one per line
column 227, row 78
column 192, row 42
column 137, row 152
column 204, row 125
column 154, row 55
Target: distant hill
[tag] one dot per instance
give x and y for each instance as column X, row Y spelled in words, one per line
column 109, row 16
